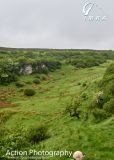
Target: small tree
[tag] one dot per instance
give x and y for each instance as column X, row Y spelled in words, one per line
column 73, row 108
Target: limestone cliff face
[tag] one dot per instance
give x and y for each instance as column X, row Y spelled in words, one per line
column 26, row 70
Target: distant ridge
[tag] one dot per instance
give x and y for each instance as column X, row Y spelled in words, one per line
column 41, row 49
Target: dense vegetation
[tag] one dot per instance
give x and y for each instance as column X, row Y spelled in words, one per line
column 102, row 105
column 55, row 100
column 16, row 62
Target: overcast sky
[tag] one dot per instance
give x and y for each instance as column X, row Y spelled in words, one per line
column 55, row 24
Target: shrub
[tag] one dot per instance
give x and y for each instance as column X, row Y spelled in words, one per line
column 109, row 107
column 79, row 83
column 103, row 103
column 43, row 77
column 8, row 71
column 3, row 131
column 73, row 108
column 84, row 84
column 84, row 96
column 28, row 82
column 108, row 77
column 36, row 81
column 38, row 134
column 109, row 88
column 29, row 92
column 45, row 70
column 37, row 76
column 20, row 84
column 21, row 90
column 8, row 78
column 86, row 62
column 98, row 101
column 99, row 114
column 12, row 139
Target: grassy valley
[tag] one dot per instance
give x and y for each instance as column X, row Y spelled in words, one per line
column 57, row 100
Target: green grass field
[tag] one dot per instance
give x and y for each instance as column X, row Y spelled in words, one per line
column 48, row 106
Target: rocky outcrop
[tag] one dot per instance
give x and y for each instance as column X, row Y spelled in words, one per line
column 26, row 70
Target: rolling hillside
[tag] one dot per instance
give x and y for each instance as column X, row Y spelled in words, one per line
column 60, row 105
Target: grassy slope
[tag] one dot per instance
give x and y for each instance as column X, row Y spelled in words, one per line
column 66, row 132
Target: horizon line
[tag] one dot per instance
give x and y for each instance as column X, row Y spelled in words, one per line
column 25, row 48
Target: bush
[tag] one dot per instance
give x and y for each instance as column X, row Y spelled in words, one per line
column 21, row 90
column 99, row 114
column 28, row 82
column 86, row 62
column 79, row 83
column 109, row 107
column 29, row 92
column 108, row 77
column 73, row 108
column 37, row 76
column 20, row 84
column 109, row 88
column 12, row 139
column 36, row 81
column 38, row 134
column 103, row 103
column 8, row 78
column 84, row 96
column 98, row 101
column 43, row 77
column 84, row 84
column 45, row 70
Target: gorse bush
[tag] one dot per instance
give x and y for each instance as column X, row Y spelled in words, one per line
column 97, row 101
column 20, row 84
column 38, row 133
column 99, row 114
column 28, row 82
column 12, row 139
column 8, row 71
column 44, row 77
column 36, row 81
column 87, row 62
column 73, row 108
column 29, row 92
column 103, row 102
column 45, row 70
column 96, row 107
column 37, row 76
column 20, row 138
column 84, row 84
column 79, row 83
column 109, row 107
column 45, row 66
column 84, row 96
column 108, row 77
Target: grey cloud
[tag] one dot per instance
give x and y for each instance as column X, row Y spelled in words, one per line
column 54, row 24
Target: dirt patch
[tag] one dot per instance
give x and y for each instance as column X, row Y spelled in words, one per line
column 7, row 105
